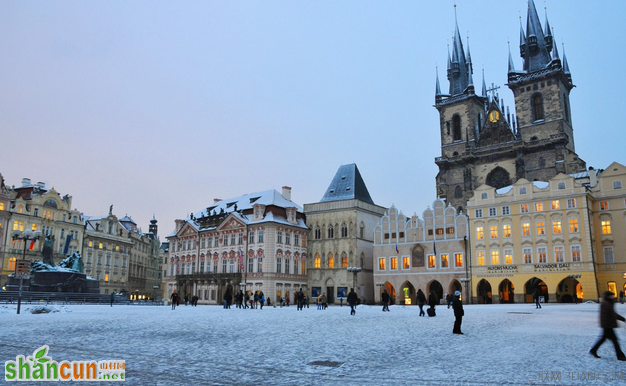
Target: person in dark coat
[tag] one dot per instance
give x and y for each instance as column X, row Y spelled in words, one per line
column 449, row 299
column 608, row 321
column 174, row 299
column 352, row 301
column 457, row 306
column 112, row 298
column 536, row 297
column 432, row 300
column 386, row 299
column 421, row 300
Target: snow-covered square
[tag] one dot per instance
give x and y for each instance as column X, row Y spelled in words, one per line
column 512, row 344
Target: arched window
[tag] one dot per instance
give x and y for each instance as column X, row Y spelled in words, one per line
column 458, row 192
column 537, row 103
column 331, row 232
column 344, row 260
column 318, row 233
column 565, row 108
column 318, row 261
column 498, row 178
column 331, row 261
column 344, row 230
column 456, row 127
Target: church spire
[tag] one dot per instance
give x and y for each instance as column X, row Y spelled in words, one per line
column 437, row 86
column 484, row 90
column 536, row 49
column 511, row 64
column 458, row 69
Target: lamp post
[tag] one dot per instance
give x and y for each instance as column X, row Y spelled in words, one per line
column 25, row 236
column 380, row 287
column 355, row 271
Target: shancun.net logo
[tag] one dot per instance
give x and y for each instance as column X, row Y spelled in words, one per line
column 41, row 367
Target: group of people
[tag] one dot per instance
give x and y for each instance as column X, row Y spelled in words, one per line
column 453, row 301
column 252, row 301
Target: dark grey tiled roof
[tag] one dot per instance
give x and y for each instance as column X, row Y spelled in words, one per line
column 347, row 185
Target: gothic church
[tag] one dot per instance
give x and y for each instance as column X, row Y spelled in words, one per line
column 482, row 143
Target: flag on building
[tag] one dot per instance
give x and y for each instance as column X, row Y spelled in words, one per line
column 32, row 245
column 67, row 244
column 240, row 259
column 397, row 251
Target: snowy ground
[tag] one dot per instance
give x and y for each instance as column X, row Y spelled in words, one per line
column 503, row 344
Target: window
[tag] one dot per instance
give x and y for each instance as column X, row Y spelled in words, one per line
column 381, row 263
column 34, row 228
column 449, row 230
column 611, row 287
column 260, row 236
column 523, row 208
column 240, row 238
column 606, row 227
column 495, row 257
column 528, row 255
column 444, row 261
column 251, row 237
column 232, row 239
column 556, row 204
column 331, row 261
column 18, row 225
column 279, row 237
column 287, row 238
column 224, row 265
column 561, row 185
column 439, row 231
column 405, row 262
column 259, row 264
column 478, row 213
column 493, row 231
column 506, row 210
column 250, row 264
column 295, row 267
column 480, row 255
column 287, row 265
column 559, row 254
column 542, row 252
column 344, row 261
column 203, row 243
column 393, row 263
column 573, row 225
column 344, row 230
column 479, row 233
column 539, row 207
column 576, row 253
column 431, row 261
column 1, row 205
column 537, row 104
column 556, row 227
column 508, row 256
column 522, row 190
column 216, row 242
column 231, row 266
column 12, row 262
column 493, row 212
column 541, row 229
column 456, row 127
column 331, row 232
column 296, row 240
column 604, row 205
column 279, row 265
column 318, row 233
column 617, row 184
column 225, row 240
column 571, row 203
column 106, row 277
column 20, row 209
column 484, row 196
column 607, row 252
column 458, row 259
column 506, row 230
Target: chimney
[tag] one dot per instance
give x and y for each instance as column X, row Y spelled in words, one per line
column 593, row 177
column 25, row 182
column 42, row 185
column 287, row 192
column 216, row 200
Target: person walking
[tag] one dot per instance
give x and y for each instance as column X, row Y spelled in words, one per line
column 608, row 321
column 621, row 297
column 174, row 299
column 457, row 306
column 112, row 298
column 261, row 298
column 386, row 299
column 449, row 300
column 432, row 302
column 299, row 300
column 421, row 300
column 536, row 297
column 352, row 301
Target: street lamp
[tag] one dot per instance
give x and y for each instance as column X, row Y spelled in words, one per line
column 355, row 271
column 27, row 235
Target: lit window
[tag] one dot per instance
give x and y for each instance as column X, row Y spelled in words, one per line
column 106, row 277
column 100, row 245
column 12, row 261
column 381, row 263
column 479, row 233
column 458, row 259
column 612, row 288
column 539, row 207
column 478, row 213
column 508, row 256
column 493, row 231
column 556, row 204
column 541, row 230
column 431, row 261
column 495, row 257
column 604, row 205
column 18, row 225
column 542, row 252
column 394, row 263
column 571, row 203
column 573, row 225
column 444, row 261
column 449, row 230
column 526, row 229
column 331, row 261
column 481, row 257
column 576, row 253
column 1, row 205
column 344, row 261
column 405, row 262
column 439, row 231
column 506, row 230
column 34, row 228
column 556, row 227
column 528, row 255
column 606, row 227
column 608, row 255
column 559, row 255
column 20, row 209
column 493, row 212
column 318, row 261
column 506, row 210
column 523, row 208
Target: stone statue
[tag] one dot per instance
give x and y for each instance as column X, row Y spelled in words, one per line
column 47, row 251
column 111, row 210
column 73, row 262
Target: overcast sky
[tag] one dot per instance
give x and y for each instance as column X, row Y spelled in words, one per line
column 158, row 107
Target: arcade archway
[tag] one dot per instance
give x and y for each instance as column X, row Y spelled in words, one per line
column 408, row 293
column 506, row 289
column 484, row 292
column 569, row 290
column 535, row 284
column 390, row 290
column 435, row 287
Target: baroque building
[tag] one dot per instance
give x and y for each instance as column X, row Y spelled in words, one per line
column 34, row 207
column 5, row 215
column 428, row 253
column 482, row 142
column 342, row 225
column 255, row 242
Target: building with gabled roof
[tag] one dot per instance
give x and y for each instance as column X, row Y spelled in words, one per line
column 255, row 242
column 342, row 228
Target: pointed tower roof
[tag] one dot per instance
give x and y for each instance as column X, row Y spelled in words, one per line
column 484, row 90
column 536, row 49
column 458, row 69
column 437, row 86
column 347, row 185
column 511, row 64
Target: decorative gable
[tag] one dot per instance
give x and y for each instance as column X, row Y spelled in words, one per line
column 496, row 129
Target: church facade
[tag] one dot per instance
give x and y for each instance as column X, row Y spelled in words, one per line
column 483, row 143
